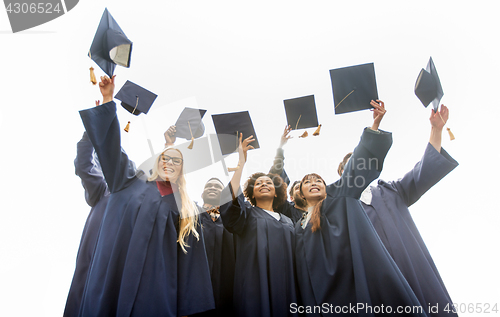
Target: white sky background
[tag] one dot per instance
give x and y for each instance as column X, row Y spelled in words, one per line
column 234, row 56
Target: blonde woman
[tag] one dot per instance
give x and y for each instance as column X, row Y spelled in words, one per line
column 150, row 258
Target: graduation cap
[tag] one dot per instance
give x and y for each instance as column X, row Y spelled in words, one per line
column 135, row 99
column 428, row 86
column 110, row 46
column 428, row 89
column 301, row 114
column 353, row 87
column 228, row 126
column 189, row 125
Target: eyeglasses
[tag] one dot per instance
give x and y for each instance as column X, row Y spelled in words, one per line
column 175, row 160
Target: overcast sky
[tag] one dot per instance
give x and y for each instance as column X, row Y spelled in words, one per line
column 227, row 56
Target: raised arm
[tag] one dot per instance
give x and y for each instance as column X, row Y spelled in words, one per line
column 244, row 146
column 103, row 129
column 434, row 165
column 279, row 160
column 89, row 171
column 233, row 209
column 438, row 120
column 367, row 159
column 170, row 136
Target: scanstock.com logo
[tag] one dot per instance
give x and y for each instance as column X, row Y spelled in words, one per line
column 26, row 14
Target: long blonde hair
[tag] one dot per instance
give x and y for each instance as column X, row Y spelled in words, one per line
column 188, row 218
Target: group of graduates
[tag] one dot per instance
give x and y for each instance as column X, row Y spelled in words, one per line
column 344, row 248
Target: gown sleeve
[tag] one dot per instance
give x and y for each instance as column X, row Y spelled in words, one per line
column 279, row 166
column 365, row 164
column 427, row 172
column 103, row 129
column 234, row 213
column 287, row 208
column 89, row 171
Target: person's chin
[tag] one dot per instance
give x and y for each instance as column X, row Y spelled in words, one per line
column 315, row 195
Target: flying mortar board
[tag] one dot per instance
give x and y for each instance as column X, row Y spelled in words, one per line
column 301, row 114
column 110, row 46
column 353, row 88
column 135, row 99
column 428, row 89
column 428, row 86
column 228, row 126
column 189, row 125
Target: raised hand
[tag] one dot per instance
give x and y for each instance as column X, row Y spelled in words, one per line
column 378, row 113
column 170, row 136
column 107, row 87
column 285, row 137
column 243, row 148
column 439, row 118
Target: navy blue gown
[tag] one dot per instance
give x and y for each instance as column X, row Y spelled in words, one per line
column 278, row 168
column 221, row 262
column 264, row 279
column 388, row 211
column 344, row 264
column 96, row 195
column 138, row 267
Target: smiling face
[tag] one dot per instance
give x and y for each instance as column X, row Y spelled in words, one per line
column 211, row 192
column 296, row 197
column 263, row 189
column 170, row 165
column 313, row 189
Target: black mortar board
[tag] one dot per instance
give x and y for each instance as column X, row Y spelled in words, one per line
column 135, row 99
column 189, row 124
column 353, row 88
column 109, row 36
column 428, row 86
column 301, row 112
column 228, row 126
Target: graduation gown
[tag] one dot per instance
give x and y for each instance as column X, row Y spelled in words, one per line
column 96, row 195
column 388, row 211
column 344, row 264
column 138, row 267
column 264, row 279
column 288, row 208
column 221, row 262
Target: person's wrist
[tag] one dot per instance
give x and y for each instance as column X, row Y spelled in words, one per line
column 107, row 98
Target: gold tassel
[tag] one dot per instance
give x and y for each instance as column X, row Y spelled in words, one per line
column 190, row 146
column 304, row 135
column 317, row 130
column 452, row 137
column 93, row 80
column 192, row 138
column 127, row 127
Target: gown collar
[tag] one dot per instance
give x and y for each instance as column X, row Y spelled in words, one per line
column 166, row 188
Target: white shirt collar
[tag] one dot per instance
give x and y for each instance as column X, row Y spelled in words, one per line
column 366, row 196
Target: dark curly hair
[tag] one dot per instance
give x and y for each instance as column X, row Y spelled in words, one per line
column 279, row 187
